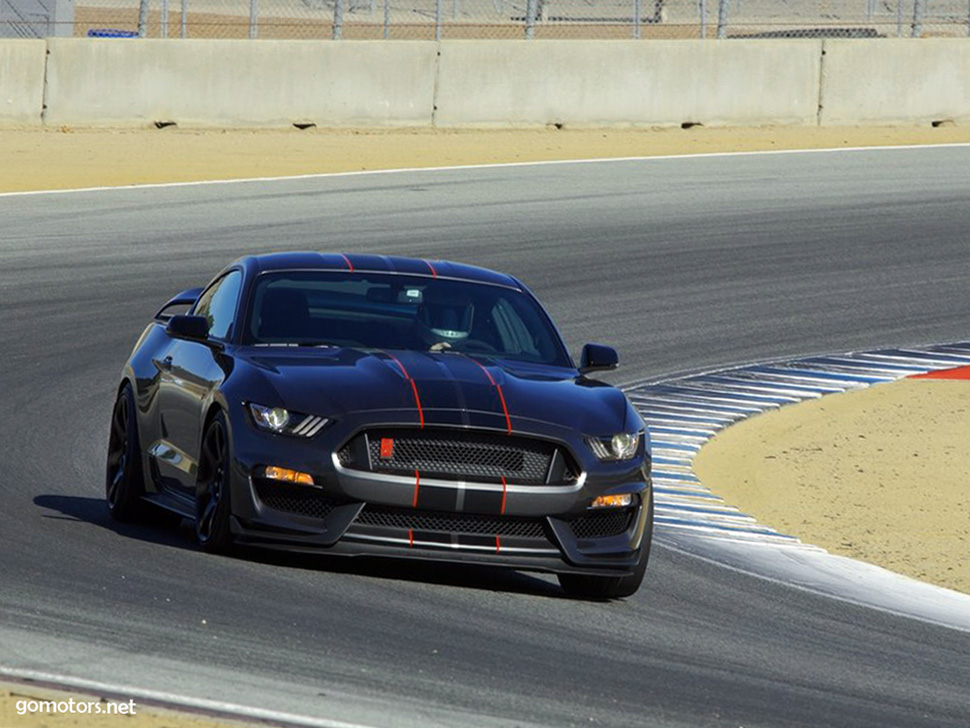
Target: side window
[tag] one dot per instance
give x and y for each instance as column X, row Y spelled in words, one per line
column 218, row 304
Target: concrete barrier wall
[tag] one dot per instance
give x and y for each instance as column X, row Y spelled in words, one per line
column 596, row 83
column 486, row 83
column 22, row 81
column 112, row 81
column 905, row 81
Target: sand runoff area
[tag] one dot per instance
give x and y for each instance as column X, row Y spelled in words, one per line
column 879, row 474
column 882, row 475
column 65, row 157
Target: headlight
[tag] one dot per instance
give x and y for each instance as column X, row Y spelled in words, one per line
column 284, row 422
column 622, row 446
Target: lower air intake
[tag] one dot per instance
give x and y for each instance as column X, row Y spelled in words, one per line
column 598, row 524
column 297, row 499
column 442, row 522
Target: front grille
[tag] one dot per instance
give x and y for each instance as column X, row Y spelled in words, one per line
column 297, row 499
column 443, row 522
column 459, row 455
column 597, row 524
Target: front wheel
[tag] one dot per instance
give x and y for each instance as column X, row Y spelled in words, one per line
column 212, row 499
column 612, row 587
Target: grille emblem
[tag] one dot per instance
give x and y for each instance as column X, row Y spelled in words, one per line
column 387, row 448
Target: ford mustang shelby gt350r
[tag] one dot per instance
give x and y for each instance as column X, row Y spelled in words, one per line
column 370, row 405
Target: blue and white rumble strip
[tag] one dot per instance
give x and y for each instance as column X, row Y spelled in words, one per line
column 682, row 414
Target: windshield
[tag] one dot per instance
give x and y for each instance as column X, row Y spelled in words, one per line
column 381, row 311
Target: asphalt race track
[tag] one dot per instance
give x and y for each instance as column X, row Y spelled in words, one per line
column 682, row 264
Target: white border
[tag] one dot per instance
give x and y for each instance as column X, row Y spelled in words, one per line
column 497, row 165
column 208, row 709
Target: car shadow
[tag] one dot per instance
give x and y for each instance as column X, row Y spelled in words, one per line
column 94, row 511
column 470, row 576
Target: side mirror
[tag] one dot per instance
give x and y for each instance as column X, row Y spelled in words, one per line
column 598, row 358
column 188, row 327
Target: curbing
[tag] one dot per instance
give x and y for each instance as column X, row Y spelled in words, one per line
column 682, row 414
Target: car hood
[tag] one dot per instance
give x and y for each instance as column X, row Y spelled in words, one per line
column 441, row 388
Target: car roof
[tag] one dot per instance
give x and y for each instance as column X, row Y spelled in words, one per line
column 353, row 262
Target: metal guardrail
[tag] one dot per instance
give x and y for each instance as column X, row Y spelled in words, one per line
column 494, row 19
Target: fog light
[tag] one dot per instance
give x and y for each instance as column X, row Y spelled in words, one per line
column 290, row 476
column 613, row 501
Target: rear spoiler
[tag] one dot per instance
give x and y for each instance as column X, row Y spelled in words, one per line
column 185, row 298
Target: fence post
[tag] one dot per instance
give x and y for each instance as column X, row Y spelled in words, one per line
column 722, row 18
column 163, row 20
column 338, row 19
column 899, row 18
column 637, row 17
column 387, row 19
column 530, row 19
column 437, row 19
column 183, row 23
column 919, row 12
column 702, row 9
column 253, row 14
column 143, row 18
column 968, row 19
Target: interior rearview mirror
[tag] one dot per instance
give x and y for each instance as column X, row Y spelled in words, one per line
column 598, row 358
column 188, row 327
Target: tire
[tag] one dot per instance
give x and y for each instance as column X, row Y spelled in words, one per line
column 124, row 482
column 612, row 587
column 212, row 491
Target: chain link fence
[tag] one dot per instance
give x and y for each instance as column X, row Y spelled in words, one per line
column 486, row 19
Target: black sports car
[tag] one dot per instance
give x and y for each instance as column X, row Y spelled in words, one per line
column 369, row 405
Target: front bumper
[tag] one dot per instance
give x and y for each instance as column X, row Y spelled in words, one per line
column 360, row 513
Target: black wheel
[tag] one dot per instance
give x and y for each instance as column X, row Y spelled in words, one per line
column 612, row 587
column 212, row 505
column 124, row 483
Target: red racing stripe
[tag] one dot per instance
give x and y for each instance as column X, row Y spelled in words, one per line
column 350, row 266
column 417, row 401
column 508, row 421
column 434, row 273
column 411, row 537
column 487, row 373
column 504, row 487
column 404, row 372
column 414, row 386
column 498, row 544
column 501, row 396
column 417, row 484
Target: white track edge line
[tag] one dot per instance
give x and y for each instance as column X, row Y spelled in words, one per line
column 815, row 591
column 496, row 165
column 174, row 701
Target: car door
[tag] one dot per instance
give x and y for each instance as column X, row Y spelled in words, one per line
column 192, row 369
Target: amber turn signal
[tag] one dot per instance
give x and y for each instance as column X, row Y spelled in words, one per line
column 290, row 476
column 613, row 501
